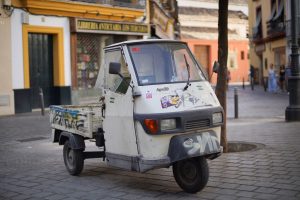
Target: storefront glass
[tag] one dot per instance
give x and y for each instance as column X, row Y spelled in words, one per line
column 89, row 56
column 88, row 60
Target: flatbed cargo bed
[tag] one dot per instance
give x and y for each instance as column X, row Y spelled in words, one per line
column 84, row 120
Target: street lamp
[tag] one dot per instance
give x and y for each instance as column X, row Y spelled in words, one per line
column 292, row 112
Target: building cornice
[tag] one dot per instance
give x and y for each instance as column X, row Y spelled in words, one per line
column 78, row 10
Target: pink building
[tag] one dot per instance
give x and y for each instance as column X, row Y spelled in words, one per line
column 206, row 52
column 199, row 28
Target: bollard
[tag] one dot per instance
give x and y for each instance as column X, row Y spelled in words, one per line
column 252, row 84
column 243, row 83
column 236, row 102
column 42, row 101
column 265, row 84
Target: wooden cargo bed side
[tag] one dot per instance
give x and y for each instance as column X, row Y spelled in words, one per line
column 83, row 120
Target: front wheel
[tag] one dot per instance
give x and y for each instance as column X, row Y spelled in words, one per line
column 73, row 159
column 191, row 174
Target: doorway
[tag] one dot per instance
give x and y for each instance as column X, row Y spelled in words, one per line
column 202, row 56
column 40, row 49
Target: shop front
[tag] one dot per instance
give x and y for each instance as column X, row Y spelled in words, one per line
column 88, row 38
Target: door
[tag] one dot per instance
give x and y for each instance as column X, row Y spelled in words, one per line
column 202, row 56
column 41, row 68
column 118, row 123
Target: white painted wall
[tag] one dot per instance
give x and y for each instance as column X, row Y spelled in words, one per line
column 17, row 50
column 17, row 46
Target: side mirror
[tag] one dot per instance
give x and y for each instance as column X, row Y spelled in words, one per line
column 216, row 67
column 114, row 68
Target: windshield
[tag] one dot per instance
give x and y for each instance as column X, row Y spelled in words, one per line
column 158, row 63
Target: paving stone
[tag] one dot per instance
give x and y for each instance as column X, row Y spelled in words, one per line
column 55, row 197
column 245, row 194
column 285, row 186
column 42, row 194
column 247, row 188
column 22, row 197
column 287, row 192
column 266, row 190
column 266, row 196
column 226, row 191
column 244, row 198
column 225, row 197
column 229, row 186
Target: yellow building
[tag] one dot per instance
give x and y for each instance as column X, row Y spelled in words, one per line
column 57, row 46
column 268, row 36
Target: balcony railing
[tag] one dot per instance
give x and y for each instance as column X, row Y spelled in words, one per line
column 137, row 4
column 276, row 28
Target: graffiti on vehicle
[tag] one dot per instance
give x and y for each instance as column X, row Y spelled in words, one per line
column 68, row 118
column 201, row 143
column 177, row 100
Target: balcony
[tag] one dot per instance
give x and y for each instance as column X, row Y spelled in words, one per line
column 136, row 4
column 276, row 28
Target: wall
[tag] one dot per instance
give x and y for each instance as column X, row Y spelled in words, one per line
column 6, row 93
column 17, row 48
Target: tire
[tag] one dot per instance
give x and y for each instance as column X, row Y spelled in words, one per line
column 73, row 159
column 191, row 174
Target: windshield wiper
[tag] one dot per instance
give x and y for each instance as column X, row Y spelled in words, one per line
column 188, row 69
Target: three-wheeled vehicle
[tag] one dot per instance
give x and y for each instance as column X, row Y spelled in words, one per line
column 157, row 110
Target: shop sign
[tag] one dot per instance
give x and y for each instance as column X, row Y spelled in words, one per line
column 163, row 23
column 260, row 48
column 89, row 26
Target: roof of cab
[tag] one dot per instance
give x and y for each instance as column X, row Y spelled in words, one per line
column 142, row 42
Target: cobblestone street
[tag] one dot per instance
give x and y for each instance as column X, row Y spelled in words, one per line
column 31, row 167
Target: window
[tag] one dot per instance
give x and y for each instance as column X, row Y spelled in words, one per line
column 257, row 29
column 273, row 10
column 158, row 63
column 114, row 82
column 88, row 60
column 232, row 62
column 242, row 55
column 279, row 17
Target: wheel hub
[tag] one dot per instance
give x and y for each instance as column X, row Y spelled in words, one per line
column 70, row 158
column 189, row 171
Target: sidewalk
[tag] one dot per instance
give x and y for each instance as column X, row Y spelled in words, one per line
column 32, row 168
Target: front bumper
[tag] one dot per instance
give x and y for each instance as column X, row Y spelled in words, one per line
column 181, row 147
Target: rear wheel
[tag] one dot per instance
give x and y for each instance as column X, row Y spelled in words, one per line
column 191, row 174
column 73, row 159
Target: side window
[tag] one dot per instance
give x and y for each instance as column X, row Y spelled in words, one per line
column 114, row 82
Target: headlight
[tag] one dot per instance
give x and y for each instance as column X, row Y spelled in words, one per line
column 217, row 118
column 167, row 124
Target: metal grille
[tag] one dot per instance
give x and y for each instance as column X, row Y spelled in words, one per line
column 88, row 60
column 197, row 124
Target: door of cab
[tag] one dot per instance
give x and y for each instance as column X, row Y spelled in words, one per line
column 118, row 122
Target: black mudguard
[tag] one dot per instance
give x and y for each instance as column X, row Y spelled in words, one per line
column 76, row 141
column 193, row 145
